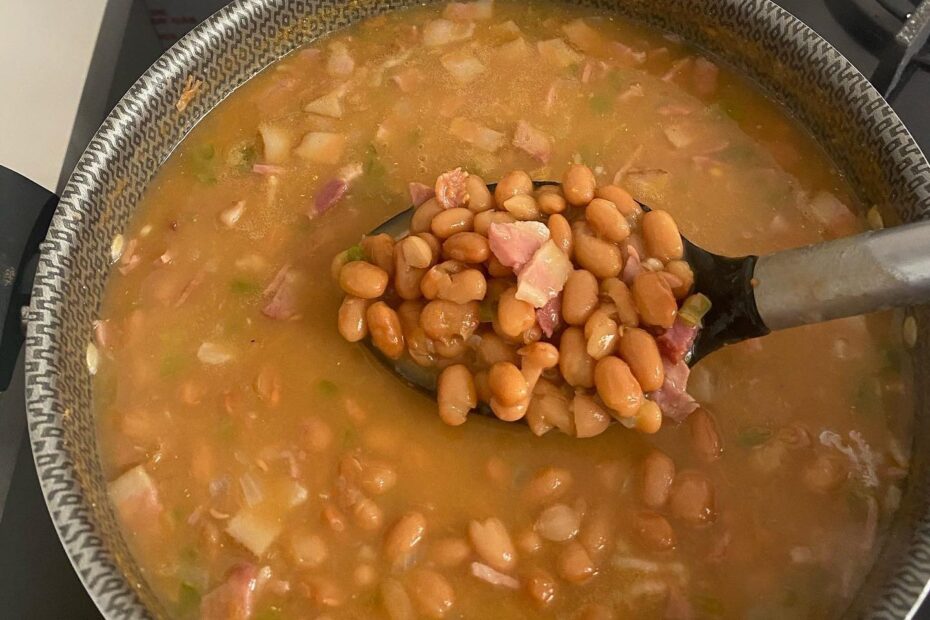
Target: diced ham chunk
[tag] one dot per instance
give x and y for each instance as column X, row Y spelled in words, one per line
column 277, row 142
column 625, row 54
column 493, row 577
column 442, row 31
column 533, row 142
column 550, row 316
column 321, row 147
column 283, row 305
column 420, row 193
column 704, row 77
column 558, row 53
column 135, row 497
column 584, row 37
column 514, row 244
column 462, row 65
column 469, row 11
column 835, row 217
column 232, row 599
column 333, row 190
column 340, row 62
column 476, row 134
column 408, row 80
column 672, row 397
column 255, row 530
column 329, row 104
column 675, row 343
column 544, row 276
column 450, row 189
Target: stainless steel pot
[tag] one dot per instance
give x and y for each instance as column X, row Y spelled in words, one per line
column 788, row 60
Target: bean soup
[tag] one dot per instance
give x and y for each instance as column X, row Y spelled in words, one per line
column 264, row 467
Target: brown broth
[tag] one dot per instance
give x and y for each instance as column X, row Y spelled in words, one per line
column 776, row 548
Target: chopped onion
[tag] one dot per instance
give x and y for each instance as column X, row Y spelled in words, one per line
column 488, row 574
column 230, row 216
column 251, row 489
column 93, row 358
column 253, row 531
column 463, row 66
column 116, row 247
column 694, row 309
column 213, row 354
column 558, row 523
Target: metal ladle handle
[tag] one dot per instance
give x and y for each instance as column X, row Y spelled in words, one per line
column 845, row 277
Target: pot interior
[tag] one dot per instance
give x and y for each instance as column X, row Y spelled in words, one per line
column 786, row 59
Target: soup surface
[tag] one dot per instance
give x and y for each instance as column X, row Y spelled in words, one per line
column 263, row 467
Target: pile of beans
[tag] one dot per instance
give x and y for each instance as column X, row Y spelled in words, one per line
column 441, row 296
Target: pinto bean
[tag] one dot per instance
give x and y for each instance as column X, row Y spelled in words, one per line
column 386, row 333
column 548, row 484
column 600, row 332
column 432, row 595
column 617, row 386
column 444, row 320
column 575, row 565
column 423, row 215
column 497, row 269
column 661, row 236
column 541, row 587
column 691, row 498
column 522, row 207
column 479, row 196
column 513, row 183
column 558, row 523
column 639, row 350
column 417, row 251
column 576, row 366
column 465, row 286
column 352, row 323
column 550, row 202
column 590, row 417
column 649, row 417
column 561, row 233
column 396, row 601
column 451, row 221
column 622, row 298
column 653, row 531
column 654, row 300
column 508, row 385
column 492, row 349
column 492, row 544
column 361, row 279
column 377, row 478
column 606, row 220
column 622, row 200
column 380, row 251
column 484, row 220
column 403, row 537
column 681, row 270
column 657, row 473
column 579, row 297
column 448, row 552
column 705, row 440
column 456, row 395
column 406, row 278
column 600, row 257
column 467, row 247
column 578, row 185
column 514, row 316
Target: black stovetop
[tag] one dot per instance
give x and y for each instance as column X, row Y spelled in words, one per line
column 36, row 578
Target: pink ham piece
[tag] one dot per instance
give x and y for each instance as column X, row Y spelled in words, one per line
column 333, row 190
column 543, row 278
column 672, row 398
column 420, row 193
column 283, row 304
column 549, row 316
column 675, row 343
column 135, row 497
column 704, row 77
column 267, row 169
column 515, row 243
column 232, row 599
column 533, row 142
column 632, row 267
column 493, row 577
column 408, row 80
column 469, row 11
column 450, row 189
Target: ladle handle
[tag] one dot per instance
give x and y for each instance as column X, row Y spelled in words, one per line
column 845, row 277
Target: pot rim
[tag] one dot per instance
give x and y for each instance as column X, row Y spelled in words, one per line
column 60, row 470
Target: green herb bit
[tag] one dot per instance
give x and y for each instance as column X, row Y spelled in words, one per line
column 600, row 104
column 188, row 598
column 243, row 287
column 754, row 436
column 694, row 309
column 356, row 252
column 327, row 387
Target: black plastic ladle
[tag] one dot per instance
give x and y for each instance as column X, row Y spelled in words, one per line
column 754, row 295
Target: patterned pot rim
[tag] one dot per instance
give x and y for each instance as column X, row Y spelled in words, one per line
column 232, row 46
